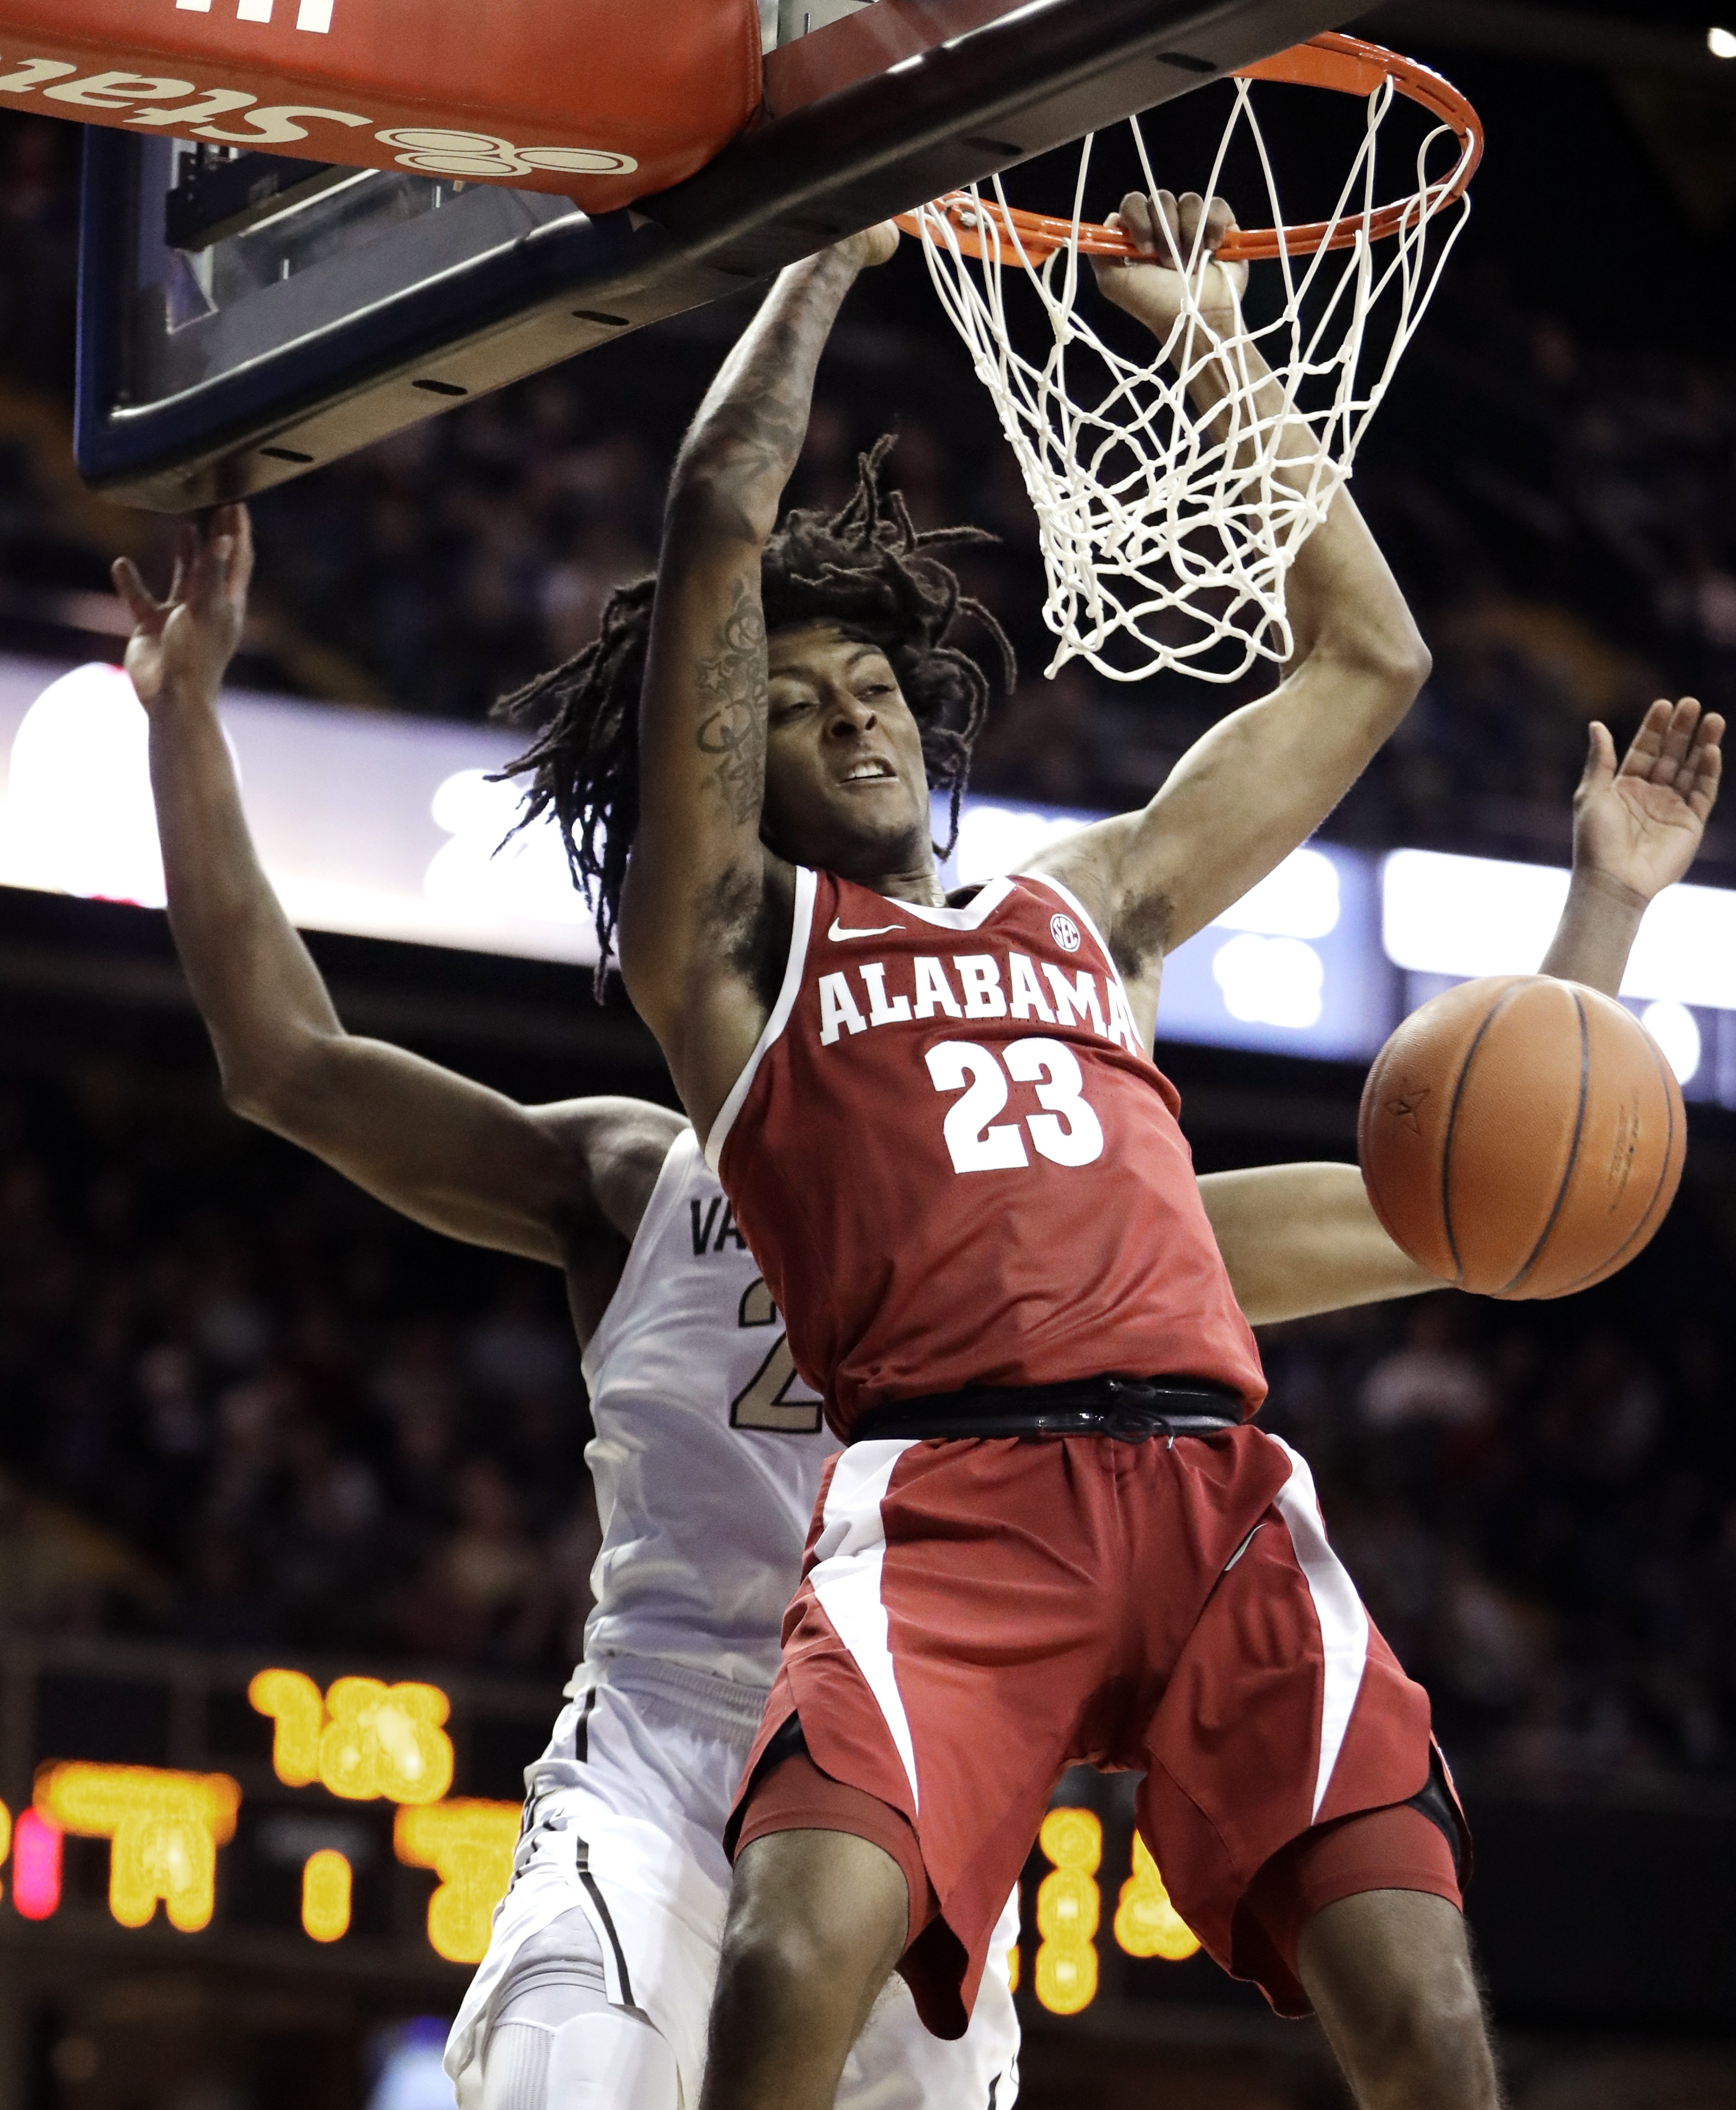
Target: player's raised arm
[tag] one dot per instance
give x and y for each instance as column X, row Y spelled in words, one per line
column 704, row 906
column 1636, row 830
column 1261, row 781
column 550, row 1183
column 1299, row 1239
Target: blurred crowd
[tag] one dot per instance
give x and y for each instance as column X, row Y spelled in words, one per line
column 1560, row 512
column 1537, row 1504
column 241, row 1403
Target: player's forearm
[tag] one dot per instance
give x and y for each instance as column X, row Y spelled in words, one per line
column 1300, row 1239
column 744, row 442
column 693, row 886
column 1599, row 923
column 259, row 994
column 1340, row 594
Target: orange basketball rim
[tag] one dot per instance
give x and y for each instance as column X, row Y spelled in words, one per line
column 1347, row 65
column 573, row 97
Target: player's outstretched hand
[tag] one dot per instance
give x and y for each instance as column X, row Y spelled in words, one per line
column 183, row 643
column 1168, row 230
column 874, row 244
column 1641, row 824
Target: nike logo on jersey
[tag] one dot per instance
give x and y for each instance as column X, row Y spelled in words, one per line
column 838, row 933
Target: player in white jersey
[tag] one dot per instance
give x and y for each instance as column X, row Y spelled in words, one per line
column 708, row 1450
column 707, row 1459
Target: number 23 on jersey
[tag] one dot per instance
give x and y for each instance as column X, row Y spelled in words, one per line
column 1065, row 1130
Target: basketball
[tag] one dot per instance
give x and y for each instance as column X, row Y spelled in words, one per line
column 1520, row 1136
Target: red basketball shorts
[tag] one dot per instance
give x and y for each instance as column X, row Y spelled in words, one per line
column 975, row 1616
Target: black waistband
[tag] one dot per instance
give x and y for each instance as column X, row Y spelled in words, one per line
column 1131, row 1409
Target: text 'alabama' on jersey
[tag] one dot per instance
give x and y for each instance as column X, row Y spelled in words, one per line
column 956, row 1165
column 708, row 1448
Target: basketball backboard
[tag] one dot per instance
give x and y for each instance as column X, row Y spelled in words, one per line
column 244, row 317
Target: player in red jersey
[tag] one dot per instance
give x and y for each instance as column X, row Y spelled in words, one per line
column 963, row 1178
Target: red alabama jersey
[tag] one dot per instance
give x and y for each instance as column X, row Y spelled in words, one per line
column 956, row 1166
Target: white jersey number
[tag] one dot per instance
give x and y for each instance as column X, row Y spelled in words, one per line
column 761, row 1402
column 1066, row 1132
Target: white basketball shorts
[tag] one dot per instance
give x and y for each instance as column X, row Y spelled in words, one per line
column 625, row 1821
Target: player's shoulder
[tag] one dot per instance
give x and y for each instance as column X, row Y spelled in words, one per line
column 1134, row 925
column 617, row 1147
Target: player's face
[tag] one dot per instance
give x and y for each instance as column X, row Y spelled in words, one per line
column 846, row 788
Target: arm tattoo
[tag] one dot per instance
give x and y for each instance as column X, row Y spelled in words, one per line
column 731, row 688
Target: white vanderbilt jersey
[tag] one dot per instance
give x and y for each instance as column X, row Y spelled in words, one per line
column 708, row 1447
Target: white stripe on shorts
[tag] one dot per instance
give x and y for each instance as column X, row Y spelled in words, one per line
column 1344, row 1624
column 849, row 1555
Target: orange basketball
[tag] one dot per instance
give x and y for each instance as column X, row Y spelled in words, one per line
column 1522, row 1136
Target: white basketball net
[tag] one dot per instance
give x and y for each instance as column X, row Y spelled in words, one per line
column 1162, row 538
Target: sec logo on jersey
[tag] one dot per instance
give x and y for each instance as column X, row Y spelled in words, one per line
column 1066, row 933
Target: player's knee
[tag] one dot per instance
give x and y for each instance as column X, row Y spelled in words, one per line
column 1391, row 1975
column 778, row 1963
column 1427, row 2039
column 610, row 2059
column 816, row 1921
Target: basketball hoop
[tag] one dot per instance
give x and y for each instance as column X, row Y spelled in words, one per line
column 1166, row 541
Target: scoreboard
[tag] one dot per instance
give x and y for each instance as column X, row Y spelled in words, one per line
column 217, row 1796
column 297, row 1808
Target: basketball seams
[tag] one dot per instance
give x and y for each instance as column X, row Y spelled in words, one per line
column 1547, row 1232
column 1373, row 1091
column 1608, row 1267
column 1524, row 1183
column 1489, row 1018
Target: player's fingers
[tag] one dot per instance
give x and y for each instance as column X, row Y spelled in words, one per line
column 1673, row 765
column 1190, row 216
column 205, row 571
column 186, row 550
column 241, row 572
column 1166, row 229
column 1600, row 757
column 1136, row 217
column 1708, row 770
column 1647, row 744
column 139, row 602
column 223, row 520
column 1219, row 220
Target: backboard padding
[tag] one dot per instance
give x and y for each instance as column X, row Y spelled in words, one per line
column 996, row 83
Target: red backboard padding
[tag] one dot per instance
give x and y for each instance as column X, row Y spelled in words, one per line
column 601, row 100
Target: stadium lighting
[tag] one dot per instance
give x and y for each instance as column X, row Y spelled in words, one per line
column 490, row 876
column 1463, row 917
column 1672, row 1026
column 77, row 816
column 1270, row 982
column 1721, row 43
column 1299, row 899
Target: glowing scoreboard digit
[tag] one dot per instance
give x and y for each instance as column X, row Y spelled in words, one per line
column 173, row 1833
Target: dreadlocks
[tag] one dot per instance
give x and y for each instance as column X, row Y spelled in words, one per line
column 867, row 570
